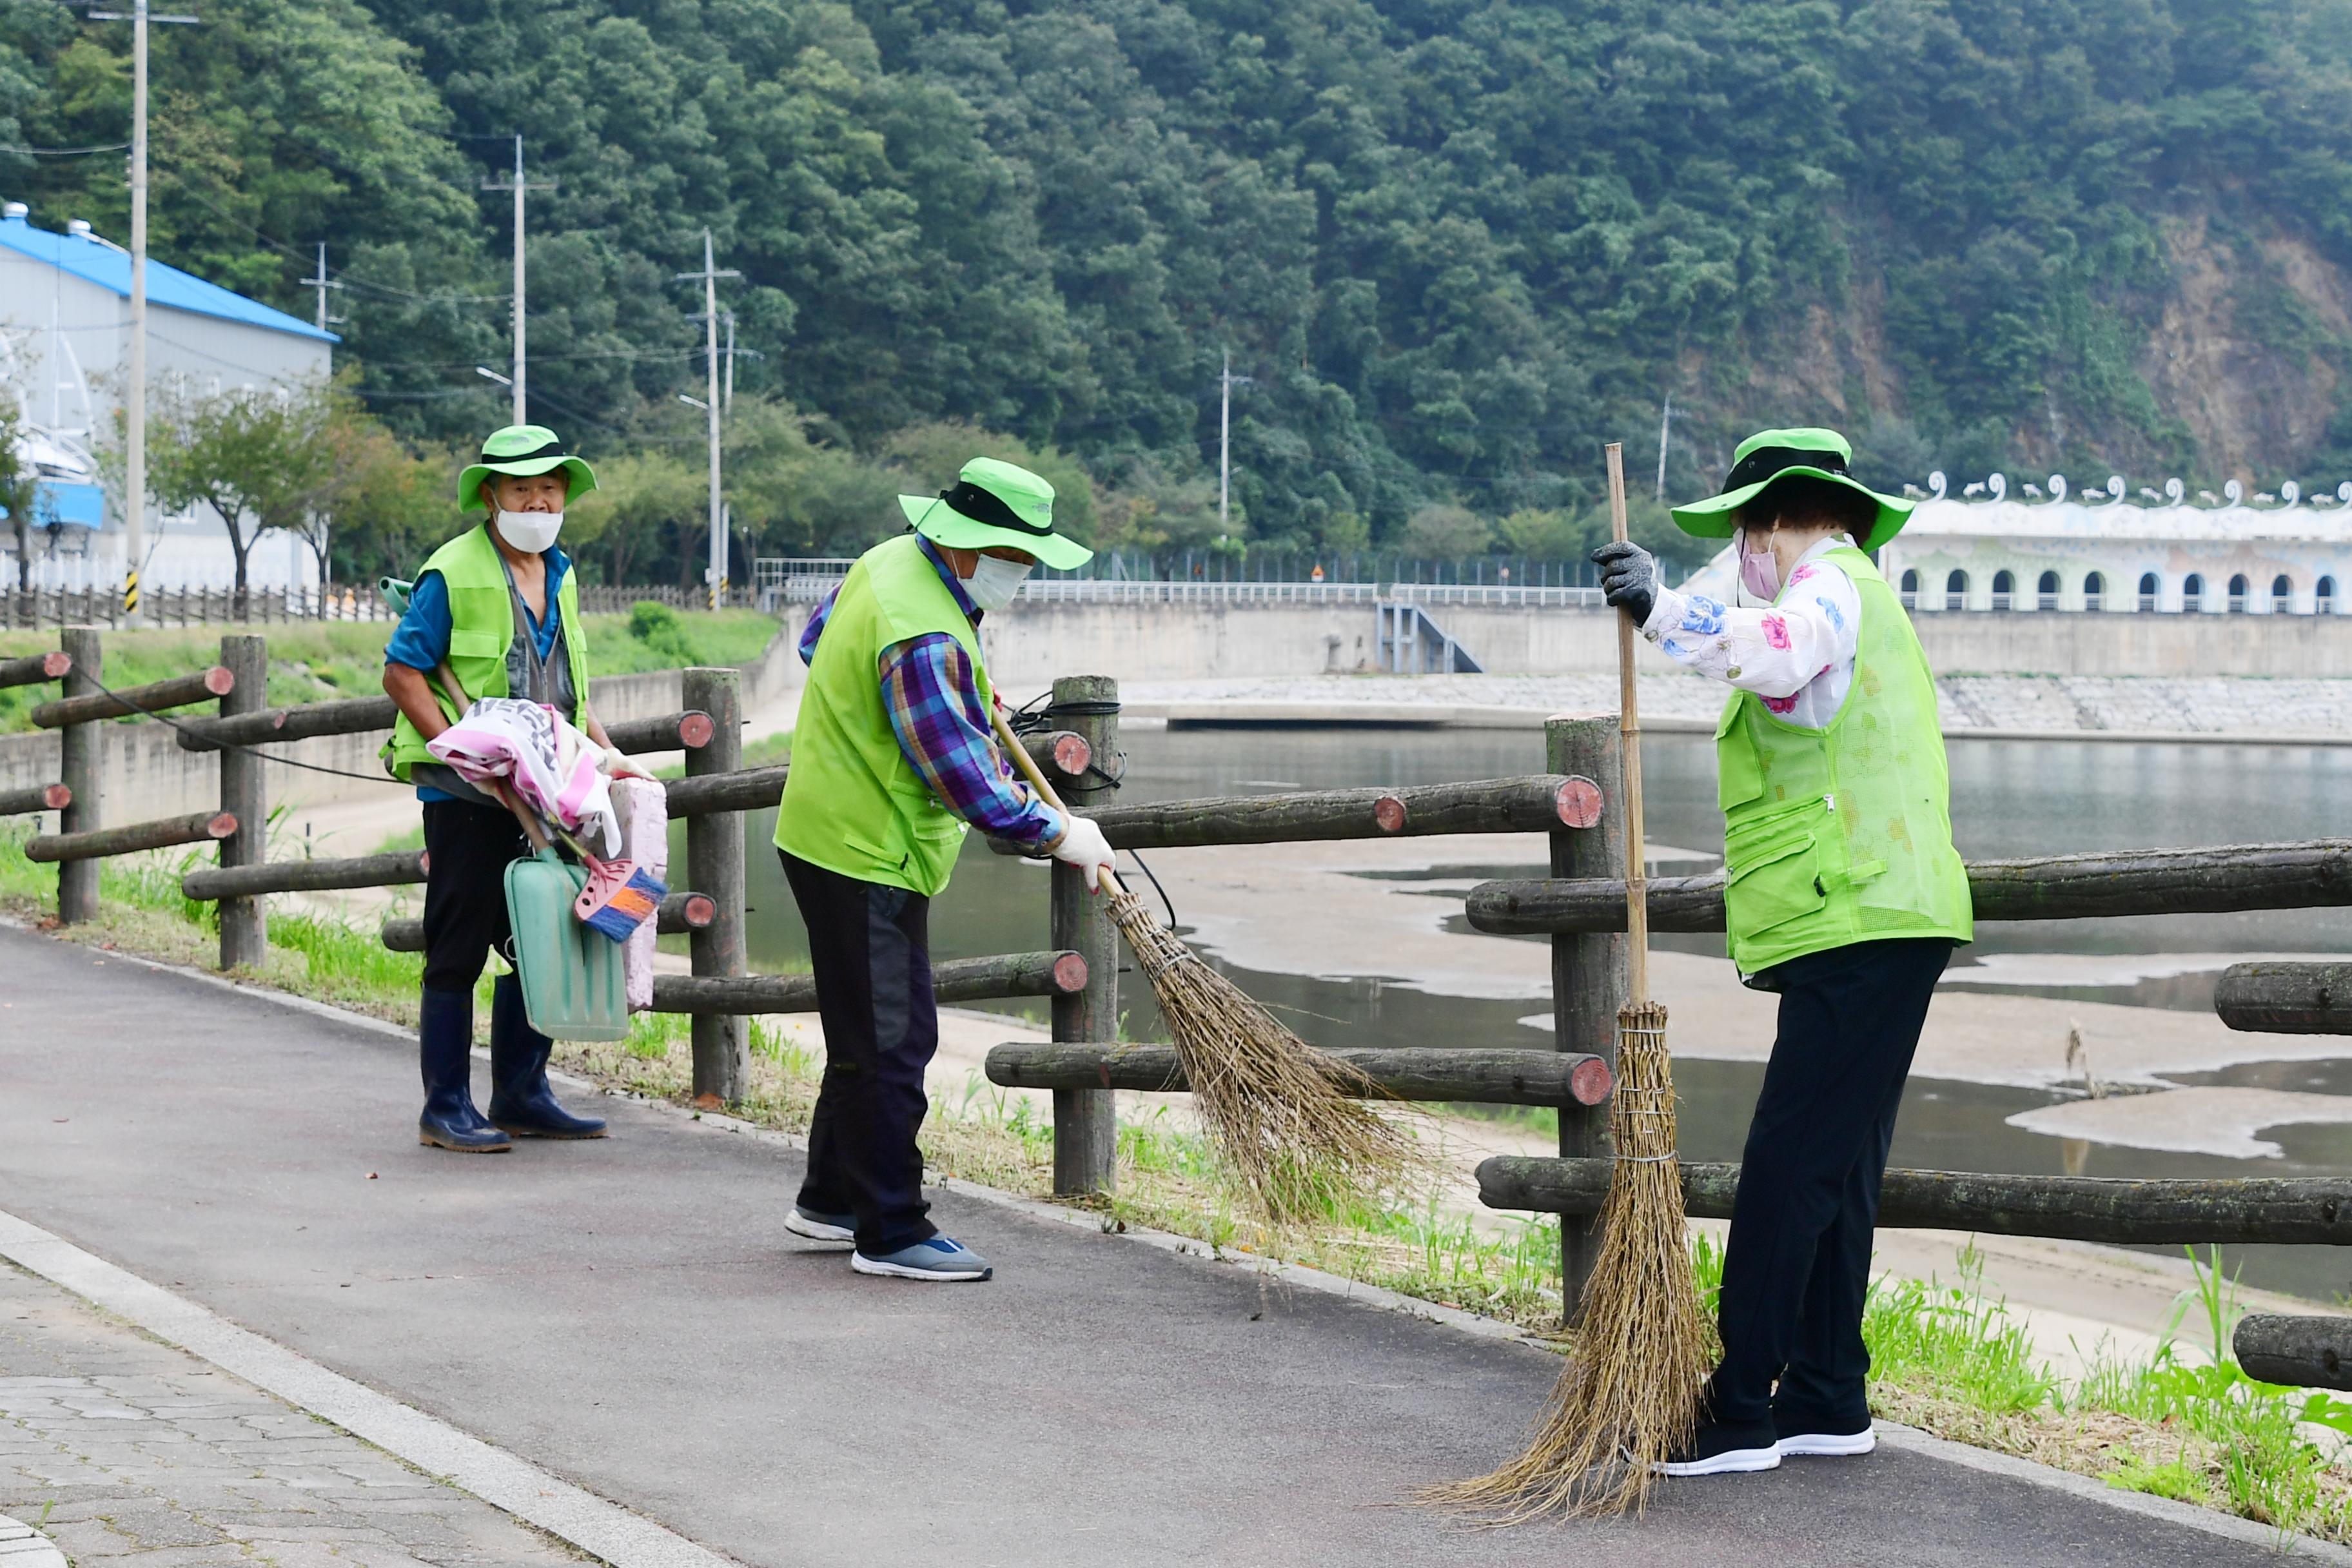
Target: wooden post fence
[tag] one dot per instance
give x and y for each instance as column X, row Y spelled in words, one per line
column 82, row 750
column 714, row 865
column 1587, row 969
column 1086, row 1120
column 244, row 922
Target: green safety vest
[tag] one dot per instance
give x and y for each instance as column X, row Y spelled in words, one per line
column 1844, row 835
column 852, row 803
column 482, row 629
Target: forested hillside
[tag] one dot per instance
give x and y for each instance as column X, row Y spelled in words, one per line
column 1454, row 242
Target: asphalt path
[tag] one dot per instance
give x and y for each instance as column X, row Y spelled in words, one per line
column 631, row 1314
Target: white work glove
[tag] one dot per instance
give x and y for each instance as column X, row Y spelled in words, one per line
column 1082, row 844
column 617, row 765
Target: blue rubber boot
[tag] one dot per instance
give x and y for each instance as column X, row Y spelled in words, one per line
column 521, row 1102
column 445, row 1040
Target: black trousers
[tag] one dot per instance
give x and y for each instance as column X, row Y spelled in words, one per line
column 464, row 889
column 1797, row 1265
column 870, row 946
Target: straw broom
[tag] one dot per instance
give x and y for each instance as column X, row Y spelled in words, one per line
column 1290, row 1122
column 1629, row 1393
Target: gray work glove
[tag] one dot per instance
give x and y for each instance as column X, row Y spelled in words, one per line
column 1629, row 578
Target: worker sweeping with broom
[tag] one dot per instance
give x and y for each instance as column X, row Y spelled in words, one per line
column 1842, row 894
column 892, row 757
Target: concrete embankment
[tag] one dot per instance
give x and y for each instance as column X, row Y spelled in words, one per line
column 1163, row 640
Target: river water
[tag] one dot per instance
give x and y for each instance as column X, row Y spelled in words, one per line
column 2009, row 797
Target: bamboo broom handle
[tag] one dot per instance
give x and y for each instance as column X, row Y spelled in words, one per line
column 1036, row 777
column 1629, row 725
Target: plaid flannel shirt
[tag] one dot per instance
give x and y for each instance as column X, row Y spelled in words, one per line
column 943, row 730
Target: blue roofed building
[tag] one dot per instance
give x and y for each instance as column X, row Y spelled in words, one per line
column 65, row 330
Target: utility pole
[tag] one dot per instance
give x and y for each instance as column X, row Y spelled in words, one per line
column 1226, row 382
column 135, row 409
column 1665, row 419
column 322, row 283
column 716, row 575
column 730, row 362
column 518, row 185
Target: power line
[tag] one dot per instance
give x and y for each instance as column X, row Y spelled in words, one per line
column 63, row 151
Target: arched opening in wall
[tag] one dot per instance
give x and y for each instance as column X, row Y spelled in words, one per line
column 1956, row 590
column 2281, row 595
column 2045, row 593
column 2192, row 593
column 2323, row 597
column 1911, row 588
column 2004, row 589
column 2094, row 591
column 2148, row 589
column 2238, row 591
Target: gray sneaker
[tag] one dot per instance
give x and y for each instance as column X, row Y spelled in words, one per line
column 940, row 1260
column 838, row 1229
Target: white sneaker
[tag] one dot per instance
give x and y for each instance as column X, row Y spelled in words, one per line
column 1828, row 1445
column 838, row 1230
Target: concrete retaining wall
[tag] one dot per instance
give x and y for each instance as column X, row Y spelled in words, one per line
column 147, row 774
column 1030, row 644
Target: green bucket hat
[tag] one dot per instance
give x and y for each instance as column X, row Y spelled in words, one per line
column 992, row 504
column 522, row 450
column 1770, row 455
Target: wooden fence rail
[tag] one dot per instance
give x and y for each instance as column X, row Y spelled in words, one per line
column 401, row 867
column 197, row 827
column 156, row 696
column 1540, row 804
column 1464, row 1074
column 34, row 669
column 954, row 980
column 2285, row 998
column 35, row 797
column 680, row 912
column 2069, row 1208
column 2305, row 1352
column 2219, row 880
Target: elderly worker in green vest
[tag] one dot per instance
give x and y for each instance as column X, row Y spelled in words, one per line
column 1843, row 893
column 499, row 606
column 893, row 757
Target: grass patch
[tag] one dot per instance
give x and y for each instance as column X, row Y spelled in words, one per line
column 317, row 662
column 1950, row 1358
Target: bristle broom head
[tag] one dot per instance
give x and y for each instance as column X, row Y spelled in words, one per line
column 1290, row 1123
column 1630, row 1391
column 632, row 904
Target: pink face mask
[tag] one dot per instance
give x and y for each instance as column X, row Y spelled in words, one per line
column 1760, row 571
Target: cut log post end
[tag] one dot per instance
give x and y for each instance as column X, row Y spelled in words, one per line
column 1591, row 1082
column 1390, row 814
column 220, row 681
column 1072, row 754
column 1069, row 974
column 694, row 731
column 1577, row 802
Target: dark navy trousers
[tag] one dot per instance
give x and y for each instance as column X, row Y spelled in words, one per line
column 870, row 947
column 1797, row 1265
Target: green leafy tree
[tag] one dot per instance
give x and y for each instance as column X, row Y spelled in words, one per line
column 19, row 481
column 1446, row 533
column 261, row 457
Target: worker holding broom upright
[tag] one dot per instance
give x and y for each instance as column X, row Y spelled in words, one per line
column 893, row 759
column 1843, row 893
column 498, row 607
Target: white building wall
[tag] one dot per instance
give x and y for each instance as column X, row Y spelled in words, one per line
column 70, row 343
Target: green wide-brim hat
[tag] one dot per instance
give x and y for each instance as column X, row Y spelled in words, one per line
column 522, row 450
column 1770, row 455
column 993, row 504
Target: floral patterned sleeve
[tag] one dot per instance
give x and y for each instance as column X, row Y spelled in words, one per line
column 1808, row 637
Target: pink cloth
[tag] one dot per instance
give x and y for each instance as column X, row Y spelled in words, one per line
column 553, row 766
column 642, row 806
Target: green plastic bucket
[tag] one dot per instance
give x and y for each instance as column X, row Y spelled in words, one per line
column 572, row 985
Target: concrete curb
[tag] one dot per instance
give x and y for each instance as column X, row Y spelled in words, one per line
column 610, row 1533
column 22, row 1546
column 603, row 1529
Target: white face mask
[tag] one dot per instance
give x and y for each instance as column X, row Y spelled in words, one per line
column 529, row 532
column 993, row 583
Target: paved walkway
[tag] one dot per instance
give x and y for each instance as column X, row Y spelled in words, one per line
column 629, row 1315
column 134, row 1453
